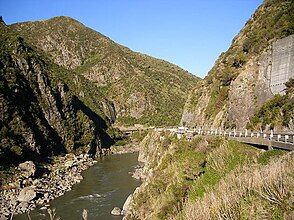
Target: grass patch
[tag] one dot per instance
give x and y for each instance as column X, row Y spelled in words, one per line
column 267, row 156
column 228, row 156
column 252, row 191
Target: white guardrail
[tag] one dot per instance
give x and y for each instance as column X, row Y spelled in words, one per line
column 272, row 136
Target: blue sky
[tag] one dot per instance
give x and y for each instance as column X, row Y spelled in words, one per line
column 188, row 33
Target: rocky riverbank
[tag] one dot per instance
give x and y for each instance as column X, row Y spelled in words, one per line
column 151, row 151
column 125, row 149
column 36, row 186
column 138, row 173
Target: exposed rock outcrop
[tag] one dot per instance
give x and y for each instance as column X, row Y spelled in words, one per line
column 27, row 168
column 127, row 204
column 26, row 194
column 41, row 115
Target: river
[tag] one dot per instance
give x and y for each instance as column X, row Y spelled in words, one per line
column 105, row 185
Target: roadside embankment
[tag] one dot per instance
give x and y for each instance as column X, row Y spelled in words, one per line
column 207, row 173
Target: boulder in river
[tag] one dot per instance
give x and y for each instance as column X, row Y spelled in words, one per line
column 116, row 211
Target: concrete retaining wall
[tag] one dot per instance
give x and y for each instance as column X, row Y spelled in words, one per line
column 282, row 64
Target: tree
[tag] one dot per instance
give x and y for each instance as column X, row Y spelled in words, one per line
column 289, row 85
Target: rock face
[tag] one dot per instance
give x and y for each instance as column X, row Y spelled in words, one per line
column 194, row 110
column 242, row 101
column 127, row 204
column 40, row 114
column 282, row 68
column 256, row 66
column 150, row 154
column 252, row 88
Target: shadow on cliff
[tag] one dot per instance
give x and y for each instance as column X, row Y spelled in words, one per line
column 36, row 138
column 100, row 124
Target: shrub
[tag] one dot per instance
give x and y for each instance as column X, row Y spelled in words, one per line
column 278, row 111
column 289, row 85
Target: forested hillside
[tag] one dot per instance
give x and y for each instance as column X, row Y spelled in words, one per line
column 143, row 90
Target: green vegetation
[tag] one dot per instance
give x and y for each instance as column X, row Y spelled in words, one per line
column 271, row 26
column 227, row 157
column 212, row 178
column 65, row 99
column 135, row 137
column 276, row 113
column 217, row 100
column 253, row 191
column 41, row 115
column 267, row 156
column 144, row 90
column 273, row 20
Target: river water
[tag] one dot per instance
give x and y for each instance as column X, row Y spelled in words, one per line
column 105, row 185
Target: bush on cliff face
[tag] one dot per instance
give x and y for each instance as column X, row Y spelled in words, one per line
column 289, row 86
column 271, row 27
column 277, row 113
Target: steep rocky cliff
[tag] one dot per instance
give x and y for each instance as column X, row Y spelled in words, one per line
column 241, row 79
column 40, row 112
column 143, row 89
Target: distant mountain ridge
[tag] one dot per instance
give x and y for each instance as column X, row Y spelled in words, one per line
column 143, row 89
